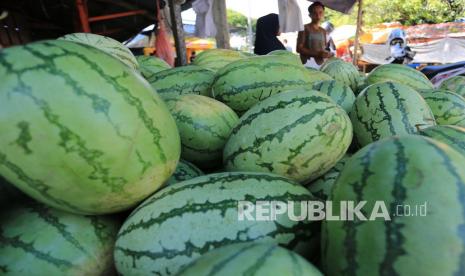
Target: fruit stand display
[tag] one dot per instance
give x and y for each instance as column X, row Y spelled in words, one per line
column 119, row 165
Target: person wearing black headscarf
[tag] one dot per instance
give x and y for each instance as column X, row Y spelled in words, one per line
column 267, row 30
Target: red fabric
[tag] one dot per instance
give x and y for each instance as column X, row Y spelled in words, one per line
column 163, row 47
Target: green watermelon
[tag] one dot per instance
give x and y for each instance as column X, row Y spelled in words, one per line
column 329, row 61
column 204, row 125
column 298, row 134
column 453, row 136
column 286, row 54
column 38, row 240
column 401, row 74
column 344, row 72
column 338, row 91
column 424, row 236
column 183, row 80
column 150, row 65
column 448, row 107
column 250, row 258
column 184, row 171
column 455, row 84
column 106, row 44
column 246, row 82
column 215, row 59
column 321, row 187
column 387, row 109
column 80, row 131
column 186, row 220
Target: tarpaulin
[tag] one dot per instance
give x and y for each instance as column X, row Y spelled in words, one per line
column 344, row 6
column 446, row 50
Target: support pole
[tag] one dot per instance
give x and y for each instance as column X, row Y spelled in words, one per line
column 221, row 22
column 357, row 32
column 83, row 15
column 178, row 32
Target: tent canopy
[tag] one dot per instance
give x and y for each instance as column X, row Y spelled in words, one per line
column 344, row 6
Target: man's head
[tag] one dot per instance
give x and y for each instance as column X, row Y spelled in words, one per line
column 316, row 11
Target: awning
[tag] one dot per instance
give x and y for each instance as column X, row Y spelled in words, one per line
column 344, row 6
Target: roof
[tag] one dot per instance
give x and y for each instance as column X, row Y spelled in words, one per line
column 48, row 19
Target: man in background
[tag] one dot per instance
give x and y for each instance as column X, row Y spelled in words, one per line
column 311, row 42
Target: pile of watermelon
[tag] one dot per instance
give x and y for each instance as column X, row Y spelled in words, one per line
column 115, row 164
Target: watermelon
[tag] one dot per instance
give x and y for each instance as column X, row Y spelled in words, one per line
column 388, row 109
column 453, row 136
column 448, row 107
column 421, row 184
column 321, row 187
column 246, row 82
column 184, row 171
column 286, row 54
column 344, row 72
column 183, row 80
column 38, row 240
column 250, row 258
column 401, row 74
column 298, row 134
column 79, row 130
column 455, row 84
column 338, row 91
column 150, row 65
column 328, row 62
column 204, row 125
column 215, row 59
column 106, row 44
column 186, row 220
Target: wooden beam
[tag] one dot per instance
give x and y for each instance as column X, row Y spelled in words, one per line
column 116, row 15
column 83, row 15
column 357, row 32
column 178, row 32
column 221, row 22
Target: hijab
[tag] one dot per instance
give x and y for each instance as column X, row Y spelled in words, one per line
column 267, row 30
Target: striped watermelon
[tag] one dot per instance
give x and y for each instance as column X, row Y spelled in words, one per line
column 400, row 171
column 338, row 91
column 182, row 80
column 204, row 125
column 455, row 84
column 184, row 171
column 215, row 59
column 246, row 82
column 184, row 221
column 448, row 107
column 321, row 187
column 453, row 136
column 37, row 240
column 106, row 44
column 79, row 130
column 150, row 65
column 286, row 54
column 401, row 74
column 387, row 109
column 344, row 72
column 250, row 258
column 329, row 61
column 298, row 134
